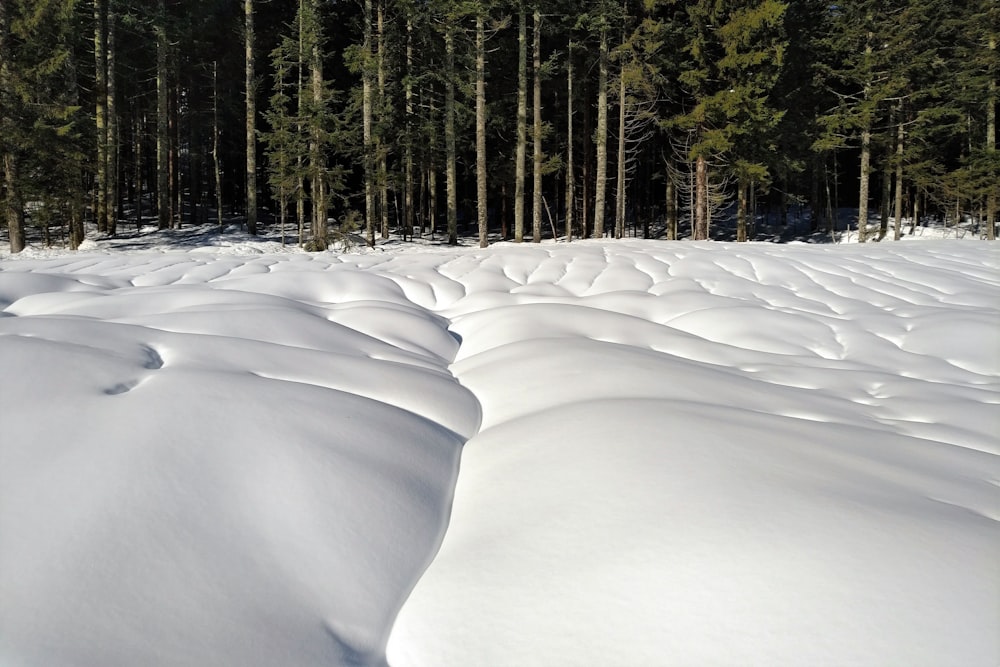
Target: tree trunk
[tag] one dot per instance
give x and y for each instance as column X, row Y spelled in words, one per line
column 741, row 211
column 701, row 199
column 162, row 122
column 383, row 182
column 451, row 154
column 522, row 122
column 991, row 147
column 101, row 111
column 898, row 209
column 140, row 156
column 300, row 92
column 620, row 194
column 216, row 166
column 14, row 205
column 866, row 156
column 408, row 202
column 671, row 202
column 600, row 181
column 536, row 130
column 367, row 94
column 316, row 147
column 251, row 112
column 113, row 125
column 481, row 131
column 570, row 176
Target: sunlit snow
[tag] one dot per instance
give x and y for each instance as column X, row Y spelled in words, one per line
column 622, row 453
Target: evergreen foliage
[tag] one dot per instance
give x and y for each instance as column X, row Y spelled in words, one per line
column 658, row 113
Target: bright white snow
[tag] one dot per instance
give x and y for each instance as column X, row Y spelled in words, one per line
column 674, row 454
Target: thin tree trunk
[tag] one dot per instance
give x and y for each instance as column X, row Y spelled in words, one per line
column 600, row 184
column 536, row 130
column 570, row 176
column 318, row 163
column 898, row 209
column 481, row 203
column 866, row 156
column 113, row 125
column 140, row 156
column 101, row 111
column 741, row 211
column 383, row 177
column 300, row 92
column 367, row 102
column 671, row 202
column 175, row 151
column 15, row 207
column 991, row 147
column 216, row 166
column 162, row 120
column 620, row 194
column 701, row 199
column 251, row 113
column 408, row 158
column 522, row 123
column 451, row 178
column 432, row 205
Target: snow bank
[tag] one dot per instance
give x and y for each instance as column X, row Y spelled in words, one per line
column 677, row 453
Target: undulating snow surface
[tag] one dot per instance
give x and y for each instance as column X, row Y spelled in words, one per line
column 660, row 454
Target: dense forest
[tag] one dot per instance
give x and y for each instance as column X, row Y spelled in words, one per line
column 519, row 120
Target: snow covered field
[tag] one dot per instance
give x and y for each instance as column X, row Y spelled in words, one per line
column 629, row 453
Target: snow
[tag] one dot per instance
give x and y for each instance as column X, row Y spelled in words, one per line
column 224, row 451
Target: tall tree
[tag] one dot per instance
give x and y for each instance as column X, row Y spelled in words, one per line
column 481, row 203
column 251, row 118
column 162, row 119
column 101, row 111
column 536, row 129
column 522, row 122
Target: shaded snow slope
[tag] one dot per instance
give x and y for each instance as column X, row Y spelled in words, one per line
column 680, row 453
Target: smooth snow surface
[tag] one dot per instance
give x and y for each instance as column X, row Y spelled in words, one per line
column 674, row 454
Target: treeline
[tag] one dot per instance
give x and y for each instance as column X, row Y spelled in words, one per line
column 575, row 118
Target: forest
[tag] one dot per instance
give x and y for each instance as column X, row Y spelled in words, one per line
column 322, row 120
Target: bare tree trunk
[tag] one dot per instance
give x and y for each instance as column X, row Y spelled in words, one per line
column 367, row 102
column 174, row 169
column 251, row 112
column 898, row 222
column 536, row 130
column 620, row 194
column 671, row 202
column 317, row 158
column 408, row 158
column 741, row 211
column 14, row 205
column 383, row 182
column 101, row 111
column 140, row 134
column 162, row 120
column 701, row 199
column 570, row 175
column 113, row 126
column 300, row 91
column 991, row 147
column 522, row 123
column 451, row 155
column 886, row 205
column 866, row 156
column 481, row 203
column 600, row 184
column 216, row 166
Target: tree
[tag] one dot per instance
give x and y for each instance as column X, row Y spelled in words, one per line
column 481, row 204
column 251, row 118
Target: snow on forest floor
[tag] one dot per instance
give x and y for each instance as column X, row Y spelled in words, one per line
column 227, row 452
